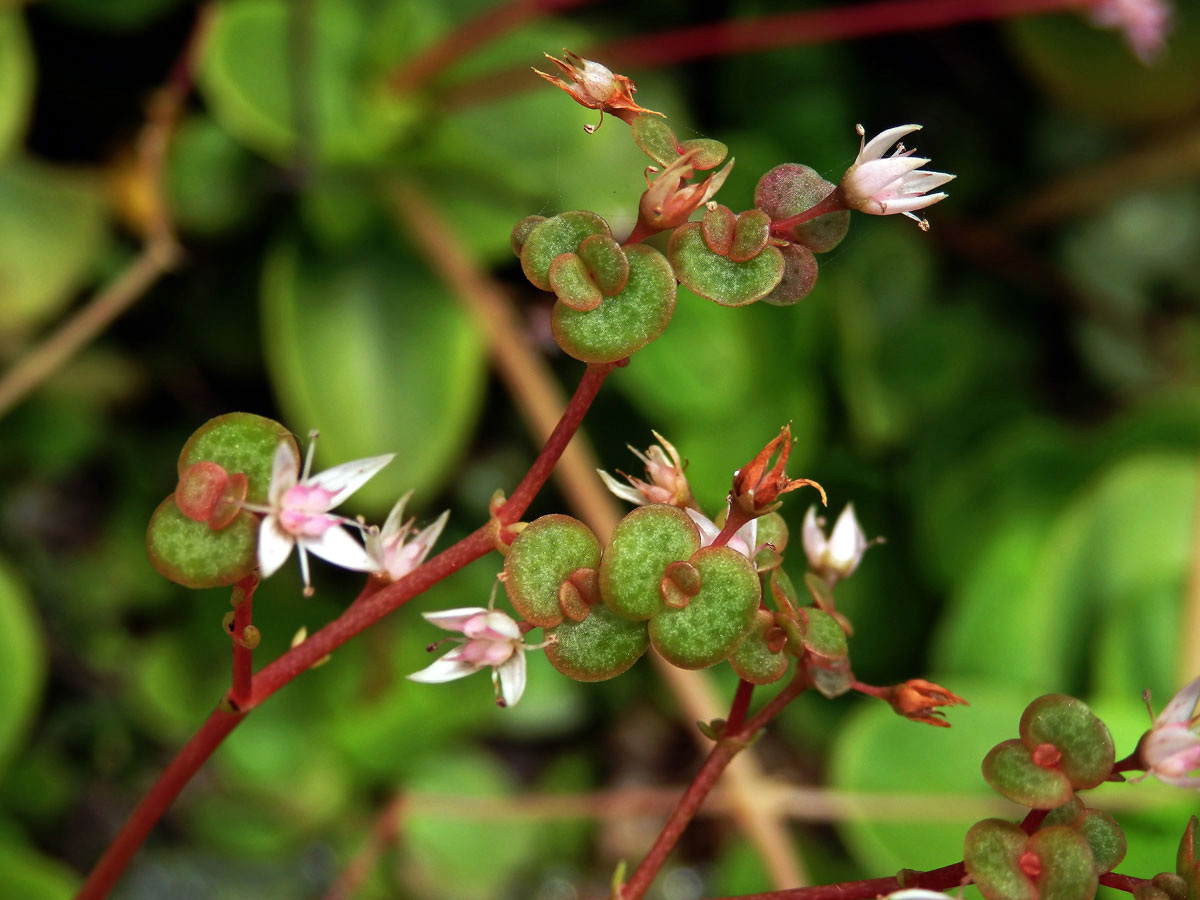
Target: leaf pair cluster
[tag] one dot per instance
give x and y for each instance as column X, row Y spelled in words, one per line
column 656, row 585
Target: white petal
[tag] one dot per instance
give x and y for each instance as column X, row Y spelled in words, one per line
column 1182, row 705
column 911, row 204
column 274, row 546
column 285, row 469
column 878, row 145
column 812, row 537
column 874, row 177
column 920, row 182
column 847, row 542
column 338, row 547
column 708, row 531
column 624, row 491
column 395, row 518
column 503, row 624
column 918, row 894
column 444, row 669
column 454, row 619
column 344, row 480
column 748, row 533
column 429, row 535
column 512, row 678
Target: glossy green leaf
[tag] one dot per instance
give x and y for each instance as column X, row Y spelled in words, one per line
column 550, row 239
column 327, row 104
column 16, row 80
column 719, row 278
column 366, row 347
column 1071, row 727
column 462, row 857
column 991, row 852
column 51, row 231
column 22, row 660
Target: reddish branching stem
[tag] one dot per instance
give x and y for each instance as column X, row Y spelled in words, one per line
column 372, row 605
column 741, row 705
column 735, row 739
column 243, row 655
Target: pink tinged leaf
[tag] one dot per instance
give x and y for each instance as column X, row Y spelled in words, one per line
column 342, row 481
column 274, row 546
column 512, row 678
column 878, row 145
column 447, row 668
column 338, row 547
column 454, row 619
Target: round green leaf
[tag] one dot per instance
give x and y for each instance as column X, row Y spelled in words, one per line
column 991, row 852
column 641, row 547
column 823, row 636
column 750, row 235
column 1105, row 838
column 51, row 230
column 600, row 647
column 717, row 619
column 1068, row 870
column 753, row 660
column 192, row 554
column 16, row 80
column 790, row 189
column 573, row 284
column 1009, row 768
column 1084, row 741
column 239, row 442
column 719, row 278
column 620, row 325
column 606, row 263
column 553, row 237
column 365, row 346
column 21, row 660
column 542, row 557
column 799, row 276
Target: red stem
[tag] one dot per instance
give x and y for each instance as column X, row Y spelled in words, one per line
column 667, row 48
column 1122, row 882
column 741, row 705
column 734, row 519
column 243, row 656
column 721, row 755
column 363, row 613
column 833, row 202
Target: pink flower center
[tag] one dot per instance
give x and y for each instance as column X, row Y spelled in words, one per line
column 303, row 508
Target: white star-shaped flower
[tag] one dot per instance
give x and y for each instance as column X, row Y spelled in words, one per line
column 396, row 549
column 297, row 513
column 885, row 185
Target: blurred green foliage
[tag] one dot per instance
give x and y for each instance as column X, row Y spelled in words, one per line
column 1016, row 407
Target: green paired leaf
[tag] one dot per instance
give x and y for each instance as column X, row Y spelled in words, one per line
column 1070, row 726
column 193, row 555
column 717, row 619
column 410, row 364
column 620, row 325
column 1009, row 768
column 720, row 278
column 240, row 442
column 600, row 647
column 754, row 660
column 641, row 547
column 541, row 558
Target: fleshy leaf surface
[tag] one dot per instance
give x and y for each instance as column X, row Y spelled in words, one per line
column 717, row 277
column 642, row 545
column 600, row 647
column 541, row 558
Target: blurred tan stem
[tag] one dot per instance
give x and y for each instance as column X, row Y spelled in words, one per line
column 160, row 251
column 1189, row 647
column 532, row 384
